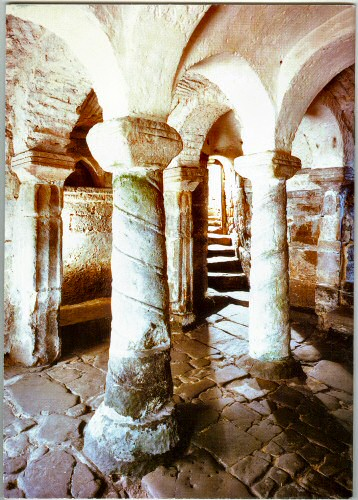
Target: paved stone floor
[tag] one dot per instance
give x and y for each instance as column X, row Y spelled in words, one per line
column 243, row 437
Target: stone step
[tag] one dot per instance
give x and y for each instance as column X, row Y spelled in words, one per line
column 219, row 239
column 215, row 229
column 214, row 222
column 341, row 320
column 85, row 311
column 224, row 264
column 227, row 281
column 217, row 250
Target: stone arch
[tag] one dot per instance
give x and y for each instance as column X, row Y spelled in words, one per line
column 246, row 95
column 197, row 104
column 309, row 66
column 318, row 141
column 79, row 29
column 38, row 117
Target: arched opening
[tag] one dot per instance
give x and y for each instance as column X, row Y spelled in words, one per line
column 81, row 177
column 85, row 312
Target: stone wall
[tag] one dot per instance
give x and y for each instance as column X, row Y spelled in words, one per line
column 303, row 220
column 87, row 244
column 304, row 214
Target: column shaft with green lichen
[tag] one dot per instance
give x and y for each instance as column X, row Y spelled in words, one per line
column 135, row 424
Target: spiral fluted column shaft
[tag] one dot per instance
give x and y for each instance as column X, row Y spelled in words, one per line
column 269, row 330
column 140, row 343
column 135, row 425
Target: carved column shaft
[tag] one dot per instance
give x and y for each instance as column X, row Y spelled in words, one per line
column 269, row 331
column 37, row 247
column 179, row 184
column 136, row 424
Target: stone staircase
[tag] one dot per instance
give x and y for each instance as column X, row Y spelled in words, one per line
column 224, row 269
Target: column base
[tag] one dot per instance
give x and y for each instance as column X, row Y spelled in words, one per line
column 121, row 445
column 274, row 370
column 181, row 322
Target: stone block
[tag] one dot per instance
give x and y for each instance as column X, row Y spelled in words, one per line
column 49, row 476
column 226, row 442
column 334, row 375
column 240, row 415
column 291, row 463
column 34, row 394
column 264, row 488
column 56, row 429
column 83, row 483
column 195, row 476
column 249, row 469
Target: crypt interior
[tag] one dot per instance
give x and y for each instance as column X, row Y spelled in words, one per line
column 179, row 205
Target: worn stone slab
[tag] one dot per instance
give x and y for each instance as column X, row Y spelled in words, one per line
column 292, row 491
column 287, row 397
column 237, row 313
column 313, row 454
column 278, row 475
column 315, row 435
column 234, row 347
column 264, row 431
column 56, row 429
column 17, row 445
column 49, row 476
column 264, row 407
column 322, row 486
column 191, row 390
column 200, row 363
column 178, row 357
column 84, row 484
column 334, row 375
column 264, row 488
column 14, row 465
column 346, row 416
column 249, row 469
column 240, row 415
column 273, row 449
column 195, row 349
column 7, row 415
column 329, row 402
column 211, row 393
column 290, row 440
column 34, row 395
column 194, row 476
column 291, row 463
column 333, row 464
column 250, row 388
column 226, row 442
column 240, row 331
column 342, row 396
column 180, row 368
column 307, row 353
column 81, row 379
column 224, row 375
column 77, row 411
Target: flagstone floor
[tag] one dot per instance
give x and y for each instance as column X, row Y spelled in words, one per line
column 242, row 437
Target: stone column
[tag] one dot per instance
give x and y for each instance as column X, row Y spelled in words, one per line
column 37, row 246
column 334, row 183
column 269, row 328
column 179, row 183
column 135, row 425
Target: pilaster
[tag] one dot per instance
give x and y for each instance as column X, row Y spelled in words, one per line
column 37, row 246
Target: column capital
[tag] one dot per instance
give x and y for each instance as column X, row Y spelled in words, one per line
column 133, row 142
column 41, row 167
column 333, row 177
column 267, row 165
column 182, row 178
